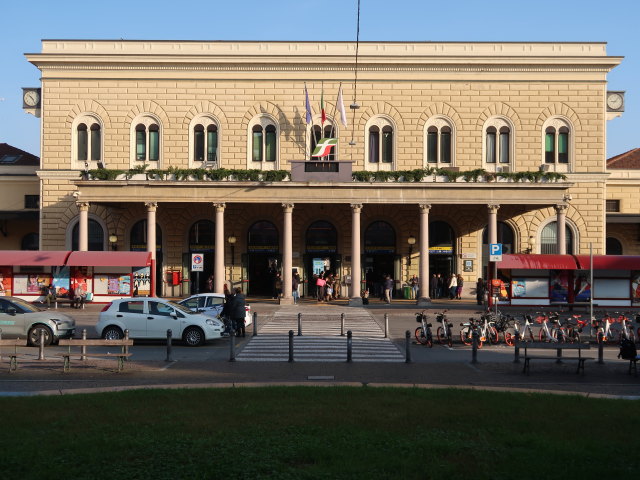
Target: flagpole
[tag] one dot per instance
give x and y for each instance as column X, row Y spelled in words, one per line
column 333, row 123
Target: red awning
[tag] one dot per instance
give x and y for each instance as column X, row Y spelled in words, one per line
column 109, row 259
column 537, row 262
column 30, row 258
column 610, row 262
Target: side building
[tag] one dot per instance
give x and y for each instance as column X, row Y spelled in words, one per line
column 183, row 148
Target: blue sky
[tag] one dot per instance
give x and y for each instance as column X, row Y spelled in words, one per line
column 25, row 24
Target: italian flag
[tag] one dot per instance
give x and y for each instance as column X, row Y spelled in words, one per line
column 324, row 114
column 324, row 146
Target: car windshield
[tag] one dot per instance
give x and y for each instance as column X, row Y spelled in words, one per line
column 182, row 308
column 26, row 306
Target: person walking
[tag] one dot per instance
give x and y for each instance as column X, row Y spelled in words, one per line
column 433, row 286
column 459, row 287
column 320, row 283
column 238, row 312
column 453, row 286
column 440, row 286
column 415, row 285
column 388, row 287
column 480, row 290
column 295, row 283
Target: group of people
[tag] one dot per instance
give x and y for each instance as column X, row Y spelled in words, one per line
column 327, row 286
column 441, row 287
column 234, row 310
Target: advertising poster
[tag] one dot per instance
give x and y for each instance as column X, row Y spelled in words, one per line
column 30, row 283
column 119, row 285
column 61, row 281
column 635, row 287
column 582, row 287
column 559, row 286
column 82, row 277
column 141, row 281
column 518, row 287
column 5, row 281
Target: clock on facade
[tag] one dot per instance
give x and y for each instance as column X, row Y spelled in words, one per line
column 31, row 97
column 615, row 101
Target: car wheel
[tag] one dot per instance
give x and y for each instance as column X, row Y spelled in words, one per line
column 34, row 335
column 193, row 337
column 112, row 333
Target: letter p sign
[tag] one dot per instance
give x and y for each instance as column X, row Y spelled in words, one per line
column 495, row 252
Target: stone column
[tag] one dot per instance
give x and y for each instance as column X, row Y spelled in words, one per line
column 218, row 259
column 287, row 255
column 493, row 223
column 152, row 207
column 356, row 267
column 561, row 223
column 423, row 294
column 83, row 226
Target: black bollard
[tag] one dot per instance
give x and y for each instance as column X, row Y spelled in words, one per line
column 516, row 343
column 474, row 346
column 290, row 346
column 169, row 337
column 349, row 346
column 386, row 325
column 407, row 344
column 342, row 324
column 255, row 324
column 41, row 346
column 232, row 344
column 600, row 338
column 83, row 348
column 299, row 324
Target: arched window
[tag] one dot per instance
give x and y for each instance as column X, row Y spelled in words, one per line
column 204, row 142
column 138, row 237
column 557, row 144
column 96, row 236
column 380, row 147
column 146, row 140
column 380, row 237
column 263, row 237
column 505, row 236
column 87, row 141
column 31, row 241
column 316, row 133
column 549, row 239
column 498, row 145
column 322, row 237
column 263, row 143
column 613, row 247
column 202, row 236
column 439, row 142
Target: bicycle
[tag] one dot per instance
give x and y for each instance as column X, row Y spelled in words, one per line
column 547, row 334
column 502, row 325
column 486, row 331
column 467, row 330
column 510, row 338
column 444, row 332
column 604, row 330
column 627, row 330
column 423, row 332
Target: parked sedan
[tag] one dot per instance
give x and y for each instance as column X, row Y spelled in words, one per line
column 20, row 319
column 150, row 318
column 211, row 304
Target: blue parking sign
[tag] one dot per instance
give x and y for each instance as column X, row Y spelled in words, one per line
column 495, row 252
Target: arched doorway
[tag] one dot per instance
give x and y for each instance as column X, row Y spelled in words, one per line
column 96, row 236
column 506, row 237
column 201, row 240
column 263, row 258
column 442, row 249
column 549, row 239
column 138, row 243
column 613, row 247
column 321, row 252
column 379, row 256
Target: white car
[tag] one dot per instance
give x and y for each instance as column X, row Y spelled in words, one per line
column 211, row 304
column 150, row 318
column 20, row 319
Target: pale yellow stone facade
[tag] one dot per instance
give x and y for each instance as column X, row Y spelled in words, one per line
column 469, row 85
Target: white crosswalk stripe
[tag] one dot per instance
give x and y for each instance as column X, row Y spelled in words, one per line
column 321, row 340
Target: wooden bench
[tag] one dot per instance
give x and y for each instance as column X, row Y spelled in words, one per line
column 13, row 357
column 559, row 347
column 67, row 300
column 77, row 342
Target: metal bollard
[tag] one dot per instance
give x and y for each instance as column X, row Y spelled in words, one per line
column 386, row 325
column 559, row 355
column 83, row 348
column 474, row 346
column 232, row 344
column 349, row 346
column 125, row 349
column 407, row 344
column 342, row 324
column 290, row 346
column 169, row 338
column 299, row 324
column 516, row 343
column 600, row 338
column 41, row 346
column 255, row 324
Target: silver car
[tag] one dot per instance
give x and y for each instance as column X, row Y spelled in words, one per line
column 150, row 318
column 20, row 319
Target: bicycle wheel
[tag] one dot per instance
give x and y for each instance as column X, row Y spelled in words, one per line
column 465, row 335
column 440, row 335
column 509, row 339
column 493, row 336
column 421, row 338
column 542, row 335
column 530, row 334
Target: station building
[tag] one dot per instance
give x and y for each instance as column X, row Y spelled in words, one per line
column 185, row 147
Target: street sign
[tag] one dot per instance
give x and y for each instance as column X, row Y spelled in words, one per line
column 197, row 262
column 495, row 252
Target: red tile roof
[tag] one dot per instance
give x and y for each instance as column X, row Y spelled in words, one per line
column 627, row 160
column 15, row 156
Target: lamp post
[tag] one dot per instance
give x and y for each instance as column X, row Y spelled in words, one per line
column 411, row 241
column 232, row 242
column 113, row 241
column 532, row 244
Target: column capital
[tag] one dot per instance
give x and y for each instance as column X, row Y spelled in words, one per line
column 561, row 208
column 493, row 208
column 220, row 206
column 356, row 207
column 151, row 206
column 424, row 207
column 83, row 206
column 288, row 207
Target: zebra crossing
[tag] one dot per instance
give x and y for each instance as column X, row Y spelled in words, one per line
column 321, row 339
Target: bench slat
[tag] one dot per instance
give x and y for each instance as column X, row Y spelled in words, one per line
column 18, row 342
column 78, row 342
column 555, row 346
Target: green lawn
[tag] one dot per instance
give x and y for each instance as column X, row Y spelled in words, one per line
column 325, row 432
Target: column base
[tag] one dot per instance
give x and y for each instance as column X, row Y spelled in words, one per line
column 355, row 302
column 286, row 301
column 423, row 302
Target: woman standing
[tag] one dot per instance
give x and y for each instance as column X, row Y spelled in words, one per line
column 459, row 287
column 453, row 286
column 480, row 291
